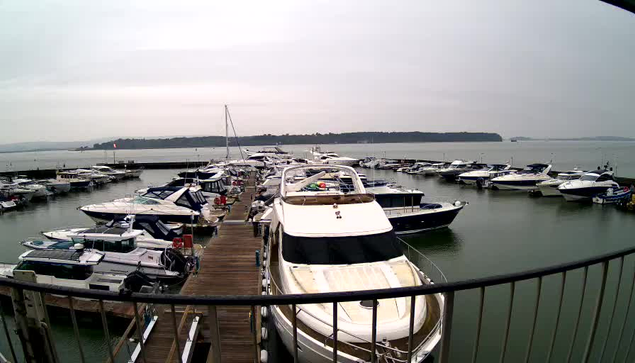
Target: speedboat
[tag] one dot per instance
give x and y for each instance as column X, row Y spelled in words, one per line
column 106, row 170
column 414, row 169
column 589, row 185
column 122, row 255
column 56, row 186
column 431, row 170
column 7, row 204
column 76, row 268
column 39, row 191
column 352, row 247
column 14, row 191
column 526, row 179
column 485, row 174
column 458, row 167
column 613, row 195
column 96, row 177
column 176, row 205
column 549, row 188
column 154, row 234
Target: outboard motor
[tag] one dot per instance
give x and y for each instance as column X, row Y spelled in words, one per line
column 175, row 261
column 136, row 280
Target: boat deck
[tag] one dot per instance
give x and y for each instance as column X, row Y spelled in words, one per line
column 227, row 267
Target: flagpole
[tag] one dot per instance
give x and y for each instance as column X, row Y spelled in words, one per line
column 114, row 148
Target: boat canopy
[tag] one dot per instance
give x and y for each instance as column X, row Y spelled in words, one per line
column 181, row 196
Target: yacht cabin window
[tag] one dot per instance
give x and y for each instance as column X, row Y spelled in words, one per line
column 60, row 271
column 116, row 246
column 340, row 250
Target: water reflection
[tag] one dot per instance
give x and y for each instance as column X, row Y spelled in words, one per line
column 440, row 240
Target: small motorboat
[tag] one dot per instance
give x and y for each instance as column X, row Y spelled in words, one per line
column 613, row 195
column 76, row 268
column 106, row 170
column 7, row 204
column 549, row 188
column 589, row 185
column 56, row 186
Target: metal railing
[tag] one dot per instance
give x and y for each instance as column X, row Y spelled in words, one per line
column 611, row 311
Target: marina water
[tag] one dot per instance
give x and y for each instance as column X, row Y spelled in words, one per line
column 498, row 232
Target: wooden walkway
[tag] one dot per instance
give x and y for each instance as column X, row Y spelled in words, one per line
column 228, row 267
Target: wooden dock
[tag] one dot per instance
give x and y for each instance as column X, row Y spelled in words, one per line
column 227, row 267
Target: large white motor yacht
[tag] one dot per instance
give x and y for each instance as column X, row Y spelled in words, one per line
column 335, row 240
column 525, row 179
column 173, row 205
column 331, row 158
column 106, row 170
column 549, row 188
column 589, row 185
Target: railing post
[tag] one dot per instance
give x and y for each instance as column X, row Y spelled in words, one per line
column 215, row 335
column 373, row 345
column 176, row 333
column 446, row 329
column 509, row 321
column 533, row 325
column 628, row 309
column 617, row 295
column 254, row 333
column 596, row 313
column 104, row 322
column 294, row 323
column 479, row 322
column 139, row 331
column 413, row 303
column 76, row 329
column 555, row 329
column 577, row 321
column 335, row 304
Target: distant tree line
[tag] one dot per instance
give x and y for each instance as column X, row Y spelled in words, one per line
column 286, row 139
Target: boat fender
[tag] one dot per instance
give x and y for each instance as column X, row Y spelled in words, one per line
column 264, row 356
column 264, row 283
column 264, row 312
column 264, row 334
column 264, row 293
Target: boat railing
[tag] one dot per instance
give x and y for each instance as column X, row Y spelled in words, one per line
column 574, row 308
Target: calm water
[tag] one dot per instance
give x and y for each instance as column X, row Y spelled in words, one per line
column 498, row 232
column 565, row 155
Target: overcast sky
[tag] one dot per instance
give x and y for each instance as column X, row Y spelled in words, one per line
column 79, row 70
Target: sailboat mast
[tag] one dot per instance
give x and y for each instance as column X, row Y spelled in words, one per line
column 226, row 134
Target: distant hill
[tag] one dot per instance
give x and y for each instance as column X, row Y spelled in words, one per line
column 591, row 138
column 317, row 138
column 46, row 145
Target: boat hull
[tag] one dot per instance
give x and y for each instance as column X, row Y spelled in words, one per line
column 517, row 184
column 582, row 194
column 423, row 220
column 101, row 217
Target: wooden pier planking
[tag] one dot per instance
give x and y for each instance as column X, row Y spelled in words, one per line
column 227, row 267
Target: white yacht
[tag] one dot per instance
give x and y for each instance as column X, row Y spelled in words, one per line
column 76, row 268
column 589, row 185
column 106, row 170
column 433, row 169
column 153, row 234
column 74, row 179
column 39, row 190
column 331, row 158
column 483, row 175
column 549, row 188
column 417, row 167
column 456, row 168
column 56, row 186
column 171, row 205
column 352, row 247
column 12, row 190
column 122, row 255
column 96, row 177
column 526, row 179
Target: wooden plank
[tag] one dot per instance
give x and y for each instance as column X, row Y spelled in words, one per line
column 228, row 267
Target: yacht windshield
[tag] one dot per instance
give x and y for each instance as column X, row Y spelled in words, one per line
column 144, row 200
column 340, row 250
column 589, row 177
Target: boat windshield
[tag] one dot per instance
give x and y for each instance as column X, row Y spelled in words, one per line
column 144, row 200
column 58, row 270
column 589, row 177
column 341, row 250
